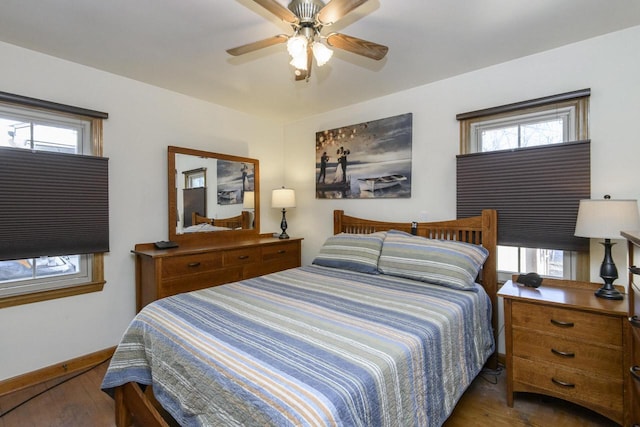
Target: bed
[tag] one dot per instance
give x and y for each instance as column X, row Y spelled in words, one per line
column 242, row 220
column 374, row 332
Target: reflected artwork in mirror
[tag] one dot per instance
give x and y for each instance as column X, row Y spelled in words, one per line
column 207, row 195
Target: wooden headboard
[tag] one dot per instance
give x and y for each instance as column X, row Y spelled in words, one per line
column 479, row 230
column 239, row 221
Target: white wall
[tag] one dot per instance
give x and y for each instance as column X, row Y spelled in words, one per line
column 609, row 65
column 143, row 121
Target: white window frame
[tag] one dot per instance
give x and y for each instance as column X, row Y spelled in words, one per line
column 567, row 114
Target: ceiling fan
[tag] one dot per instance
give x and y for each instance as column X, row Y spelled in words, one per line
column 308, row 18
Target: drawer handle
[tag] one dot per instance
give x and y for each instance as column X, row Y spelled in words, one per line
column 243, row 257
column 635, row 270
column 562, row 324
column 282, row 251
column 193, row 264
column 563, row 353
column 562, row 383
column 635, row 372
column 635, row 321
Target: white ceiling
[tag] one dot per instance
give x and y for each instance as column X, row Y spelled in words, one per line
column 180, row 44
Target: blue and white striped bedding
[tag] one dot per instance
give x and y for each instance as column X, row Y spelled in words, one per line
column 311, row 346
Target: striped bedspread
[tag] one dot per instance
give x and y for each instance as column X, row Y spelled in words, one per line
column 311, row 346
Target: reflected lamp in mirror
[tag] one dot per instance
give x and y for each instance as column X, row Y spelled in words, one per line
column 283, row 198
column 249, row 204
column 248, row 200
column 604, row 219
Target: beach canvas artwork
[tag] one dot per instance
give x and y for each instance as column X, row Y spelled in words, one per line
column 370, row 160
column 233, row 179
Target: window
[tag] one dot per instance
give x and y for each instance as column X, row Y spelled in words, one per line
column 544, row 122
column 37, row 126
column 195, row 178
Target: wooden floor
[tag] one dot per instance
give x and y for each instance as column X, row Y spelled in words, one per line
column 80, row 403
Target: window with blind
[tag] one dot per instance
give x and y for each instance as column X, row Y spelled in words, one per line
column 53, row 200
column 531, row 162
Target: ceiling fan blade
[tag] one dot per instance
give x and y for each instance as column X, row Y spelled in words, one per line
column 358, row 46
column 278, row 10
column 305, row 74
column 309, row 60
column 336, row 9
column 250, row 47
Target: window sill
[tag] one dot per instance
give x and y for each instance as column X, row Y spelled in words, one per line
column 52, row 294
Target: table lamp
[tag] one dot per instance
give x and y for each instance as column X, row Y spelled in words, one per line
column 604, row 219
column 248, row 200
column 283, row 198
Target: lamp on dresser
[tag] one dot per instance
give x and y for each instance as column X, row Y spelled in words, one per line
column 283, row 198
column 604, row 219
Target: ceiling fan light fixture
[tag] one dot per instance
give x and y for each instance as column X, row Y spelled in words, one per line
column 297, row 45
column 322, row 53
column 300, row 61
column 307, row 19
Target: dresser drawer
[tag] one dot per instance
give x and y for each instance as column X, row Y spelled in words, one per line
column 279, row 252
column 241, row 256
column 570, row 384
column 194, row 282
column 591, row 327
column 190, row 264
column 576, row 354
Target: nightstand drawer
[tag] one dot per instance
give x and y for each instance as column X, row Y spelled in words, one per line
column 598, row 328
column 190, row 264
column 575, row 354
column 570, row 384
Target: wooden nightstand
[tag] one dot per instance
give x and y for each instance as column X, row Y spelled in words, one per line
column 633, row 388
column 564, row 342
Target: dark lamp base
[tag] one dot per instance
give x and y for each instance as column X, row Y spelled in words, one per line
column 283, row 226
column 609, row 274
column 609, row 293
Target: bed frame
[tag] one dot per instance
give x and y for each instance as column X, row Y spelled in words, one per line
column 239, row 221
column 132, row 403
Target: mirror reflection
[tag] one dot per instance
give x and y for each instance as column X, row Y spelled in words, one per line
column 211, row 192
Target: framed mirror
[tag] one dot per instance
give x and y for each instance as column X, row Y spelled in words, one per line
column 212, row 196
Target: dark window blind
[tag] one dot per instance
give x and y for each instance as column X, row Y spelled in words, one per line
column 52, row 204
column 536, row 192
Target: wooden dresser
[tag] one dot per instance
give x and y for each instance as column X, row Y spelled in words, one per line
column 161, row 273
column 633, row 387
column 563, row 341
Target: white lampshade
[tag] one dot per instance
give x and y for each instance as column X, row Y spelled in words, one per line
column 297, row 45
column 322, row 53
column 605, row 218
column 299, row 61
column 248, row 202
column 283, row 198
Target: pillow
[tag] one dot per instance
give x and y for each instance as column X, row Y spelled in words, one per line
column 442, row 262
column 356, row 252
